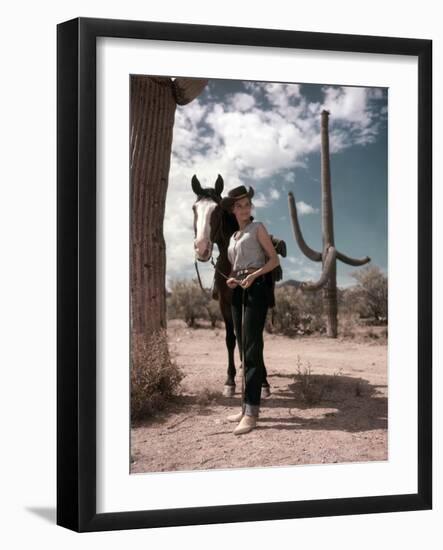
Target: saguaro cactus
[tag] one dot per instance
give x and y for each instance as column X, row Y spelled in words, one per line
column 153, row 105
column 329, row 254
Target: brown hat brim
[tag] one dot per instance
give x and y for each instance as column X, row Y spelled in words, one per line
column 227, row 202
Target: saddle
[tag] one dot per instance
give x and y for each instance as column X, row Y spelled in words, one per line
column 271, row 277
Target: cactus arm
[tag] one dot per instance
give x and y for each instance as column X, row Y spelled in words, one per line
column 307, row 251
column 187, row 89
column 327, row 266
column 352, row 261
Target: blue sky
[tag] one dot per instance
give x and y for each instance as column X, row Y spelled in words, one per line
column 268, row 135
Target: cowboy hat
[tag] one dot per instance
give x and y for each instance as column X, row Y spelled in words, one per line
column 235, row 194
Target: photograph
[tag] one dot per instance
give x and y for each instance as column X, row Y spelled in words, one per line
column 234, row 303
column 244, row 274
column 258, row 266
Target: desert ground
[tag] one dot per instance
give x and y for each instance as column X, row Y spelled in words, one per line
column 335, row 414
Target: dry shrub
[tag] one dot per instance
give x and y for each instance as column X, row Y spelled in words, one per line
column 155, row 378
column 310, row 388
column 286, row 314
column 187, row 301
column 347, row 326
column 371, row 293
column 375, row 335
column 347, row 330
column 314, row 388
column 297, row 313
column 207, row 396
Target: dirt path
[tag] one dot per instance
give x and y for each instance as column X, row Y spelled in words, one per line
column 340, row 416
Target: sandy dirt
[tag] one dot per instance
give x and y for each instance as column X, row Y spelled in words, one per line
column 337, row 414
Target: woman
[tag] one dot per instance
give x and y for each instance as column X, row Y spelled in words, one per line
column 247, row 251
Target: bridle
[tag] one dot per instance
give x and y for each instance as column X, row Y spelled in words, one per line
column 205, row 292
column 219, row 230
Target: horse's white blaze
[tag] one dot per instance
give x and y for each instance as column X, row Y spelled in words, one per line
column 204, row 209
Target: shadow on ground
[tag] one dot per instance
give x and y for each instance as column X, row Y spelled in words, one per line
column 357, row 405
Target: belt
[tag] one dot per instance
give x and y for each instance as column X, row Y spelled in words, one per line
column 242, row 273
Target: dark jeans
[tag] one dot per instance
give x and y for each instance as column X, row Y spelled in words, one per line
column 256, row 308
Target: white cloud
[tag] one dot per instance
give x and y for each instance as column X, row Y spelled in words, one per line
column 294, row 260
column 305, row 273
column 256, row 143
column 253, row 136
column 242, row 102
column 347, row 104
column 260, row 200
column 303, row 208
column 280, row 95
column 354, row 117
column 299, row 267
column 274, row 194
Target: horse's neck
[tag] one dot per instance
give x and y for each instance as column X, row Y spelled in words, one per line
column 229, row 226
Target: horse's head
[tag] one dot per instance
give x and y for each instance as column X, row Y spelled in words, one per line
column 207, row 217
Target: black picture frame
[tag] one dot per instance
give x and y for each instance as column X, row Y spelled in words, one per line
column 76, row 274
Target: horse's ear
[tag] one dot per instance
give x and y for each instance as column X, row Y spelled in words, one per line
column 219, row 184
column 196, row 186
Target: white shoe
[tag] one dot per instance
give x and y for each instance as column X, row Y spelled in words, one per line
column 247, row 423
column 235, row 417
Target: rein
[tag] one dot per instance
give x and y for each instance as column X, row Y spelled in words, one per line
column 199, row 279
column 206, row 293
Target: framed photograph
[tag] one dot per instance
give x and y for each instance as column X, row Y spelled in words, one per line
column 244, row 274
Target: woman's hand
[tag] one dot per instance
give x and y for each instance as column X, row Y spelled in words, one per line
column 231, row 282
column 247, row 281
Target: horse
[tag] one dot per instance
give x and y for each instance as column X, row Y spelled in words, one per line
column 214, row 225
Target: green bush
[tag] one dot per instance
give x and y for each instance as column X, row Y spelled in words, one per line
column 371, row 293
column 297, row 313
column 188, row 302
column 286, row 317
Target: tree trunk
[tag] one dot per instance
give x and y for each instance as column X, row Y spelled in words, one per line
column 152, row 119
column 330, row 301
column 330, row 289
column 153, row 104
